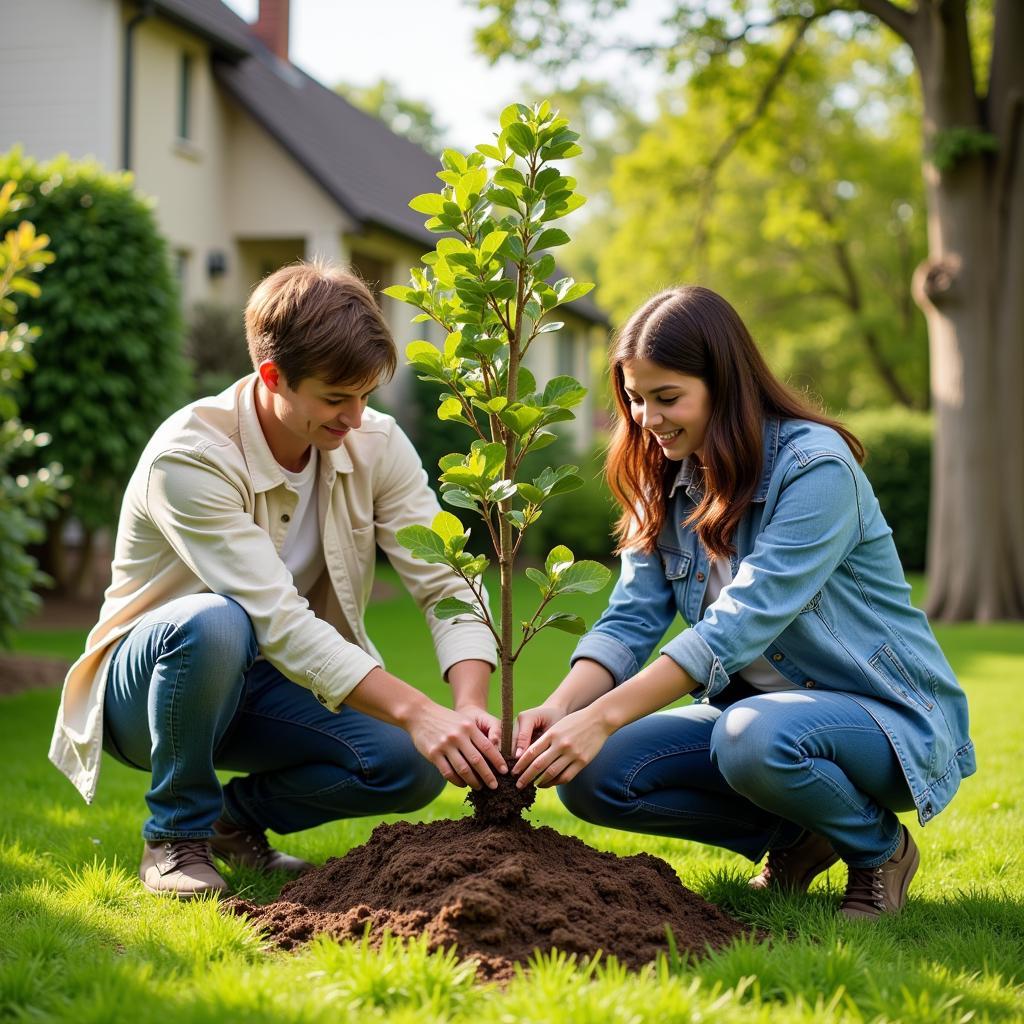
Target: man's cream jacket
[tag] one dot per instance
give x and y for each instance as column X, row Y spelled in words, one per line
column 207, row 510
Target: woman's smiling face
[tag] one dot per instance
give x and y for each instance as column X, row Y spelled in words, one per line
column 672, row 406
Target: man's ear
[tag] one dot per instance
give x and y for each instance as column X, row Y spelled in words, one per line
column 271, row 376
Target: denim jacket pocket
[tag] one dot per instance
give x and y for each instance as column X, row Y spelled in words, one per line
column 676, row 563
column 890, row 670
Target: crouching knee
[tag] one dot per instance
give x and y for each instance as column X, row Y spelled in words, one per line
column 407, row 782
column 589, row 797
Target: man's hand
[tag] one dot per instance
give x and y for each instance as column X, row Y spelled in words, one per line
column 455, row 743
column 488, row 724
column 563, row 749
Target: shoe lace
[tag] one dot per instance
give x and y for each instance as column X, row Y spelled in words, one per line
column 188, row 851
column 865, row 886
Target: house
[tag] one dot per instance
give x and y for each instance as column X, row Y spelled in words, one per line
column 252, row 163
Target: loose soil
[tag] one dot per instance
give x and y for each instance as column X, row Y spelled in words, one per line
column 497, row 892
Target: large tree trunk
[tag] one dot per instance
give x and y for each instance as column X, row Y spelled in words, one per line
column 969, row 289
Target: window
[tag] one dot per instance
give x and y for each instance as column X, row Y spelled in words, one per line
column 185, row 97
column 182, row 266
column 565, row 353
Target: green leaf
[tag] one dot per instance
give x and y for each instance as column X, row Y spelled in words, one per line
column 551, row 326
column 423, row 354
column 503, row 197
column 544, row 267
column 513, row 248
column 520, row 418
column 454, row 161
column 451, row 410
column 520, row 138
column 541, row 440
column 449, row 607
column 501, row 490
column 491, row 243
column 531, row 493
column 447, row 526
column 512, row 113
column 413, row 537
column 566, row 622
column 563, row 391
column 559, row 558
column 584, row 577
column 549, row 238
column 540, row 579
column 459, row 498
column 429, row 202
column 492, row 151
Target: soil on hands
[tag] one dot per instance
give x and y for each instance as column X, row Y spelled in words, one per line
column 498, row 889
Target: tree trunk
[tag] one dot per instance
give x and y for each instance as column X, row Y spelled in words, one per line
column 969, row 289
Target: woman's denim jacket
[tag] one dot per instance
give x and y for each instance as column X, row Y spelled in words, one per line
column 817, row 589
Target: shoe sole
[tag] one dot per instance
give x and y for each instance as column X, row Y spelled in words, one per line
column 184, row 896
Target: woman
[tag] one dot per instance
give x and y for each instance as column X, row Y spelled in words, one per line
column 825, row 703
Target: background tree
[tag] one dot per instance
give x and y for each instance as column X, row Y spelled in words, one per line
column 414, row 119
column 26, row 498
column 813, row 225
column 109, row 365
column 970, row 286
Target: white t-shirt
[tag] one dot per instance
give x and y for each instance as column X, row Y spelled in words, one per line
column 303, row 550
column 759, row 674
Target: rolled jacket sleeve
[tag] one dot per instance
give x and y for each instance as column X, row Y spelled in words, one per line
column 641, row 608
column 404, row 498
column 815, row 524
column 202, row 514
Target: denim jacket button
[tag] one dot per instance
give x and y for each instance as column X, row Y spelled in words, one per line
column 776, row 656
column 700, row 577
column 810, row 684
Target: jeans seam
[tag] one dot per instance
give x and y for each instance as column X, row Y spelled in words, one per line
column 691, row 815
column 173, row 715
column 627, row 781
column 290, row 797
column 363, row 766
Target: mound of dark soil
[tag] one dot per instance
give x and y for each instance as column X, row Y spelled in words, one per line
column 497, row 893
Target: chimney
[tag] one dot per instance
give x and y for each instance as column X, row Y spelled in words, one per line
column 272, row 26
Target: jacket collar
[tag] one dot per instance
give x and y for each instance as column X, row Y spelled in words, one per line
column 265, row 470
column 689, row 478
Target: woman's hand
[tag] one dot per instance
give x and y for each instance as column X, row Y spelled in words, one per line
column 532, row 723
column 563, row 749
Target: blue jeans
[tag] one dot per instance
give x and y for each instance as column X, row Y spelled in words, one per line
column 186, row 696
column 751, row 776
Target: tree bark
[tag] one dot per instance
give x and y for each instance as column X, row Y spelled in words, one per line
column 969, row 289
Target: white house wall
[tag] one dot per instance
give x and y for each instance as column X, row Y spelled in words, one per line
column 184, row 176
column 60, row 63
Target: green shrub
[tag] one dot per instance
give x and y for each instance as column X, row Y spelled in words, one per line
column 27, row 497
column 215, row 347
column 899, row 466
column 109, row 363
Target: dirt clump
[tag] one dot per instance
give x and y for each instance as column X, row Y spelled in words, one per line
column 504, row 804
column 497, row 893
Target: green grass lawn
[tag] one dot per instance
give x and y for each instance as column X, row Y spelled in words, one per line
column 79, row 940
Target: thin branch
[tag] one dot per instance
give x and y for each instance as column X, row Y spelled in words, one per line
column 478, row 594
column 707, row 185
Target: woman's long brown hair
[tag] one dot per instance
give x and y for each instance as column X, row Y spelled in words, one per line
column 694, row 331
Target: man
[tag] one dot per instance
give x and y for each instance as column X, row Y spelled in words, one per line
column 232, row 633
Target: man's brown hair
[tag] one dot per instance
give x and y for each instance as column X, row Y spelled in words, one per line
column 317, row 320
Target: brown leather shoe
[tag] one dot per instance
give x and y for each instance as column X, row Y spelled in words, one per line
column 872, row 892
column 249, row 848
column 795, row 867
column 180, row 867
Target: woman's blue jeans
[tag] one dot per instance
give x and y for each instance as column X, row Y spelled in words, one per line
column 751, row 775
column 186, row 695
